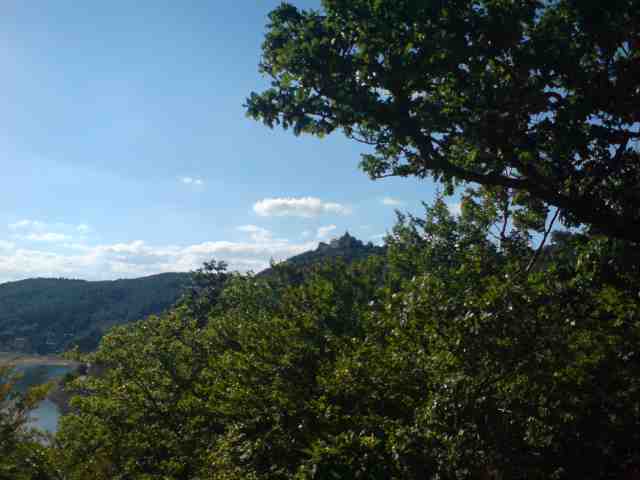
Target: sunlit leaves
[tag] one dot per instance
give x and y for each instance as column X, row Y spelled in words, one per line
column 531, row 96
column 439, row 360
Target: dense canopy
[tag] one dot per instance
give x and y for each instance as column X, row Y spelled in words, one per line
column 541, row 97
column 469, row 347
column 438, row 360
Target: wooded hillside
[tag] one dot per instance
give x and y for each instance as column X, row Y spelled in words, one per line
column 47, row 315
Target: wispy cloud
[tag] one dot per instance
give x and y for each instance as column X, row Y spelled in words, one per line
column 46, row 237
column 138, row 258
column 27, row 225
column 392, row 202
column 305, row 207
column 455, row 208
column 378, row 239
column 39, row 231
column 323, row 232
column 5, row 245
column 69, row 254
column 191, row 180
column 257, row 234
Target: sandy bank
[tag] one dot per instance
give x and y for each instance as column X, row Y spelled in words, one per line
column 18, row 359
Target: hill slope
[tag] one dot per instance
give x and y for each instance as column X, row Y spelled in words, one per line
column 48, row 315
column 347, row 248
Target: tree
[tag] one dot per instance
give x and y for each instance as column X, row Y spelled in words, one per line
column 518, row 368
column 22, row 456
column 201, row 296
column 540, row 98
column 144, row 415
column 443, row 358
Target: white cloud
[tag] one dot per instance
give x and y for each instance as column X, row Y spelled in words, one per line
column 137, row 258
column 27, row 225
column 305, row 207
column 46, row 237
column 323, row 232
column 191, row 181
column 24, row 263
column 4, row 245
column 455, row 208
column 257, row 234
column 38, row 231
column 378, row 239
column 392, row 202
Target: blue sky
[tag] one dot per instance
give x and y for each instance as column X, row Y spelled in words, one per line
column 126, row 151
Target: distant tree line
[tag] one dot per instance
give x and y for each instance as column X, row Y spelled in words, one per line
column 47, row 315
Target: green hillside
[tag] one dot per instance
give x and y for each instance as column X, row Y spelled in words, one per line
column 346, row 248
column 46, row 315
column 49, row 315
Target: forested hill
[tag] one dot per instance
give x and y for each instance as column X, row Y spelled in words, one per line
column 346, row 248
column 49, row 315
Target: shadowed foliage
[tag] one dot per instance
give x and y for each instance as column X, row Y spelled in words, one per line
column 539, row 97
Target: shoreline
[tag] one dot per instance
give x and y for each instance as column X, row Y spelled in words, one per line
column 57, row 395
column 24, row 359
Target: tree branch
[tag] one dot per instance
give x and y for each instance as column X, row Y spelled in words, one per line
column 536, row 255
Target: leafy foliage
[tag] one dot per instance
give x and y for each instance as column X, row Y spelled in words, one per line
column 540, row 97
column 22, row 457
column 442, row 359
column 459, row 351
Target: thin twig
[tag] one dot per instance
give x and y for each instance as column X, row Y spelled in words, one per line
column 505, row 217
column 533, row 260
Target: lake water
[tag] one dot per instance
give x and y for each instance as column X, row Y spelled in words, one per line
column 46, row 415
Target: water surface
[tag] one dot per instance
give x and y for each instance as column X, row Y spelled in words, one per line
column 45, row 416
